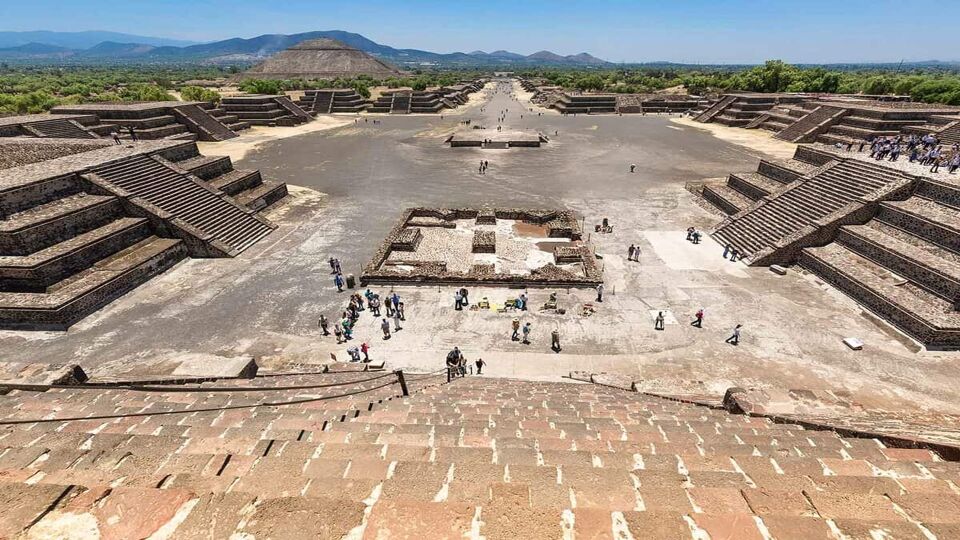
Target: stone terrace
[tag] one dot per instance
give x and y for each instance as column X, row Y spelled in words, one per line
column 490, row 458
column 174, row 120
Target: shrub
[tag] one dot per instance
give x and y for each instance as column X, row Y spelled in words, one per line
column 197, row 93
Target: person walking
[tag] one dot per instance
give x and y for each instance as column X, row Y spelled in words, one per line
column 516, row 329
column 555, row 340
column 698, row 319
column 600, row 292
column 633, row 167
column 322, row 323
column 338, row 281
column 658, row 322
column 636, row 254
column 396, row 320
column 364, row 348
column 457, row 301
column 630, row 252
column 400, row 310
column 338, row 333
column 735, row 338
column 385, row 326
column 388, row 303
column 526, row 334
column 480, row 363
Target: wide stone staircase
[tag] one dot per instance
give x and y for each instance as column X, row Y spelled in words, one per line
column 715, row 109
column 200, row 206
column 812, row 124
column 244, row 186
column 65, row 253
column 904, row 264
column 285, row 457
column 65, row 129
column 200, row 121
column 401, row 103
column 742, row 190
column 265, row 110
column 840, row 192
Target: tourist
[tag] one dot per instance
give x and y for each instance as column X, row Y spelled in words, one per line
column 364, row 348
column 698, row 319
column 116, row 136
column 515, row 324
column 396, row 320
column 936, row 165
column 463, row 297
column 389, row 306
column 354, row 353
column 633, row 167
column 338, row 333
column 480, row 363
column 457, row 299
column 333, row 265
column 338, row 281
column 396, row 301
column 636, row 254
column 347, row 329
column 630, row 252
column 658, row 322
column 735, row 338
column 400, row 311
column 600, row 292
column 526, row 334
column 696, row 236
column 523, row 301
column 385, row 326
column 453, row 361
column 555, row 340
column 954, row 162
column 733, row 255
column 690, row 233
column 132, row 133
column 726, row 250
column 322, row 323
column 374, row 304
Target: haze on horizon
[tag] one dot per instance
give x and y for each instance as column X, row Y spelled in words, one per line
column 695, row 31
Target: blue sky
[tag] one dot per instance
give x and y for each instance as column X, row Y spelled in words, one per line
column 695, row 31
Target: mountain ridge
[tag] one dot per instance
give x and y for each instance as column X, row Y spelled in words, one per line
column 255, row 49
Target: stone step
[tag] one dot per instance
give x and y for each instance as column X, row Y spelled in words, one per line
column 919, row 261
column 75, row 297
column 47, row 224
column 921, row 217
column 207, row 167
column 923, row 315
column 40, row 269
column 727, row 199
column 236, row 181
column 753, row 185
column 262, row 195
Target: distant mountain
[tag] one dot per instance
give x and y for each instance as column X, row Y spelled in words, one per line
column 138, row 49
column 82, row 40
column 35, row 50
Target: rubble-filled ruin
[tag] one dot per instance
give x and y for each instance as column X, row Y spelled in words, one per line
column 483, row 246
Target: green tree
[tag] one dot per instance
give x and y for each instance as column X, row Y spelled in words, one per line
column 197, row 93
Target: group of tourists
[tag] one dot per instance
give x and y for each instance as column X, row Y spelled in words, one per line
column 483, row 166
column 633, row 254
column 343, row 329
column 732, row 251
column 925, row 150
column 460, row 299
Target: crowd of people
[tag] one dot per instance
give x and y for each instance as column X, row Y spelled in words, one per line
column 925, row 150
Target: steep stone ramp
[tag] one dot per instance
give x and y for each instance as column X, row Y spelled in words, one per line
column 716, row 109
column 815, row 122
column 187, row 199
column 493, row 458
column 202, row 123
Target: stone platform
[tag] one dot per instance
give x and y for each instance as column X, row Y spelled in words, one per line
column 483, row 246
column 492, row 139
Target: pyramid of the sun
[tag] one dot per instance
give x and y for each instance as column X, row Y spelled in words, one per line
column 320, row 59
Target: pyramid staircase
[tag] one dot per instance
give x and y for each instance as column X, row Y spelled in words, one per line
column 807, row 128
column 841, row 191
column 265, row 110
column 490, row 458
column 64, row 129
column 203, row 208
column 742, row 190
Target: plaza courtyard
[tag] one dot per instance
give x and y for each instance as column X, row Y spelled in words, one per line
column 350, row 182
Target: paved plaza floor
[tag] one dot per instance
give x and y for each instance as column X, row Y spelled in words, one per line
column 349, row 185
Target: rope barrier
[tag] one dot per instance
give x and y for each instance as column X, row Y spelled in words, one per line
column 147, row 388
column 186, row 411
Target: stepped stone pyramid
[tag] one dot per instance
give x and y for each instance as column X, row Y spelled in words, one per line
column 283, row 457
column 322, row 58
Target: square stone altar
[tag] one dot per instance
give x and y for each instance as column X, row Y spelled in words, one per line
column 488, row 246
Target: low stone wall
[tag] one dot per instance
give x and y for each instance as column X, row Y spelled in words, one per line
column 407, row 240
